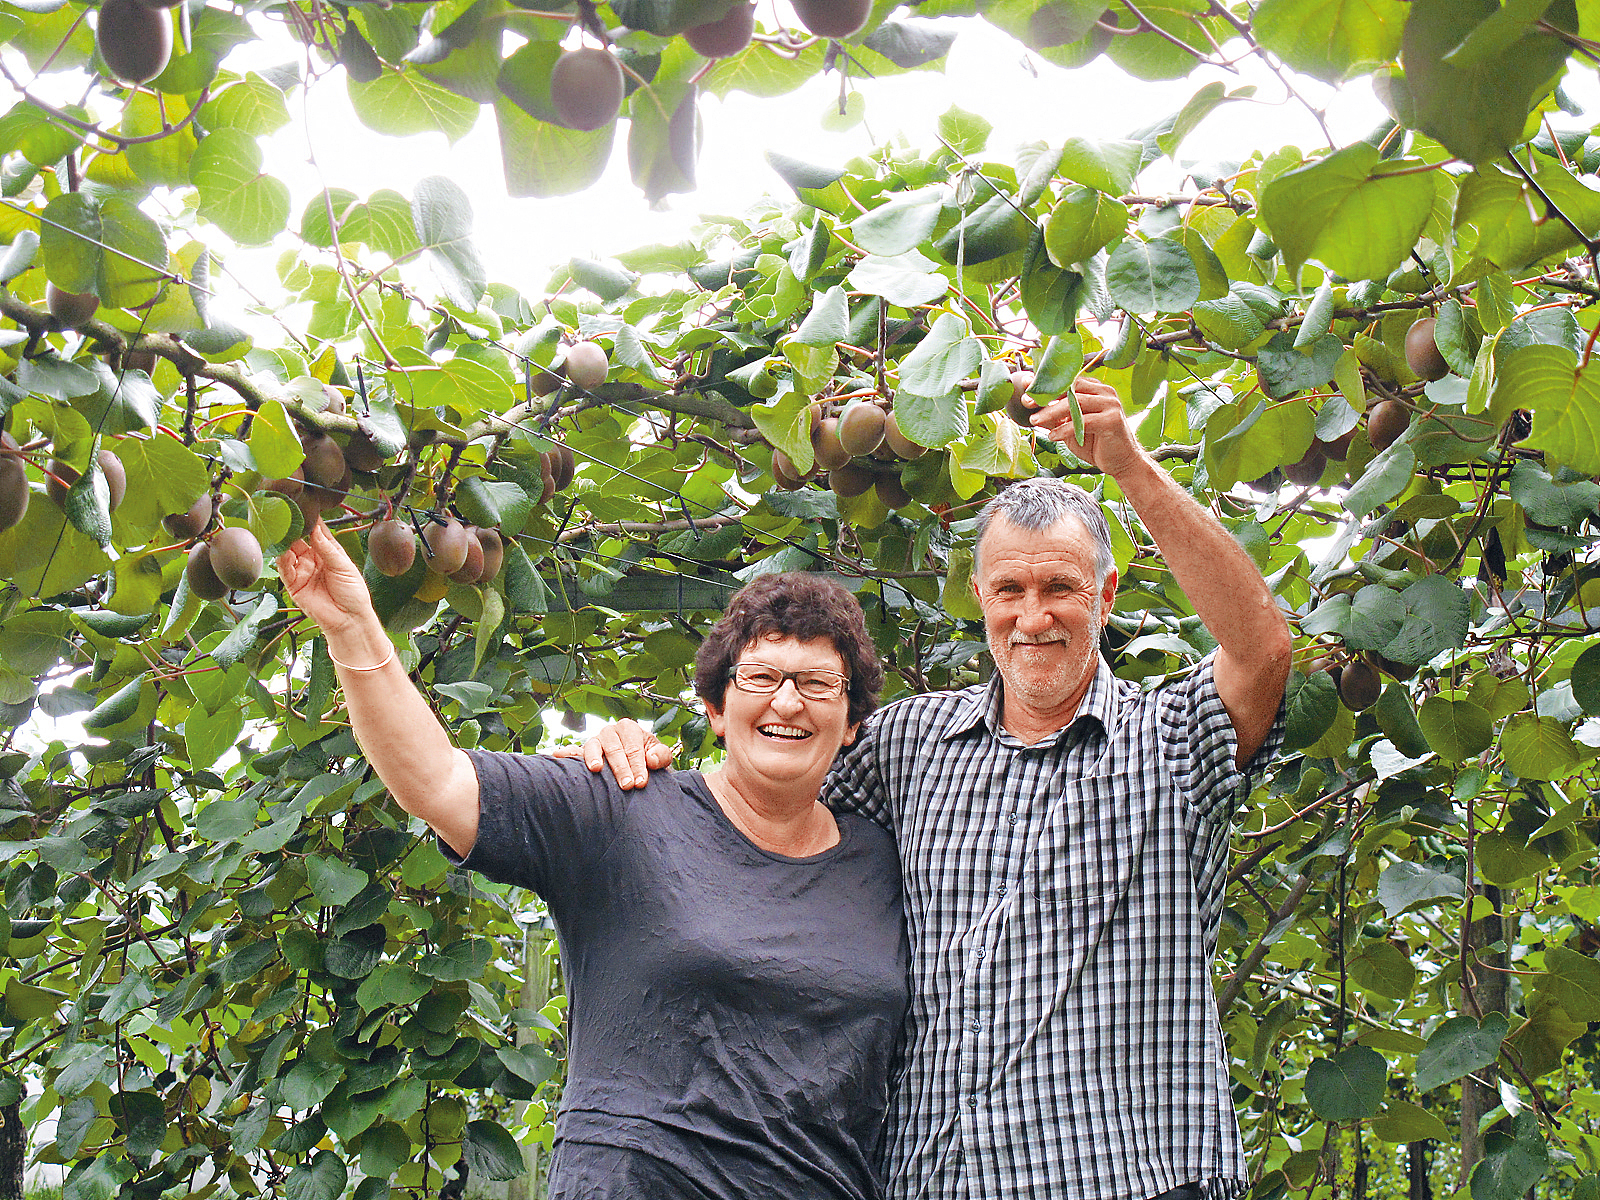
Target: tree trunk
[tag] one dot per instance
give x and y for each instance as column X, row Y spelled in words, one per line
column 1418, row 1186
column 1488, row 980
column 537, row 986
column 13, row 1151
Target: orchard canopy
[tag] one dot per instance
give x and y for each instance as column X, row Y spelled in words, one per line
column 230, row 964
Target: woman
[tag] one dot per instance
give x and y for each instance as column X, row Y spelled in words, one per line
column 734, row 953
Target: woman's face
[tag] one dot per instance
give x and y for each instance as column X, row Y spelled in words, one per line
column 784, row 739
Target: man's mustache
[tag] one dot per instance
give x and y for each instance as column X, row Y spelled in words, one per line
column 1037, row 639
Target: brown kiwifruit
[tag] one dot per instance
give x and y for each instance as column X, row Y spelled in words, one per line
column 324, row 465
column 586, row 91
column 861, row 428
column 116, row 477
column 563, row 466
column 587, row 363
column 203, row 580
column 494, row 554
column 392, row 547
column 815, row 413
column 1308, row 471
column 1422, row 351
column 851, row 480
column 727, row 35
column 892, row 492
column 190, row 524
column 447, row 545
column 785, row 472
column 333, row 399
column 1396, row 670
column 1387, row 421
column 545, row 383
column 134, row 41
column 1339, row 448
column 833, row 18
column 471, row 569
column 70, row 309
column 289, row 486
column 236, row 556
column 902, row 446
column 13, row 491
column 826, row 447
column 361, row 452
column 1359, row 685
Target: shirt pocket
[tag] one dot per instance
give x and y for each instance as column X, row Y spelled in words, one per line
column 1091, row 840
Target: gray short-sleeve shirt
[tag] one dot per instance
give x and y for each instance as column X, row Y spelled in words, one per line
column 734, row 1012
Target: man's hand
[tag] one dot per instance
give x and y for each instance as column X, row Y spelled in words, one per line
column 1108, row 441
column 325, row 584
column 628, row 748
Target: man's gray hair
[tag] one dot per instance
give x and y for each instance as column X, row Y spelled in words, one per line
column 1043, row 502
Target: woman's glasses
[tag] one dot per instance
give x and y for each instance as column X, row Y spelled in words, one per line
column 761, row 680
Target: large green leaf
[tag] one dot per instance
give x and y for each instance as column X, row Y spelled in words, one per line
column 1109, row 167
column 491, row 1152
column 1457, row 730
column 1404, row 886
column 1539, row 747
column 1155, row 276
column 1459, row 1047
column 245, row 202
column 1564, row 398
column 1347, row 1086
column 1354, row 211
column 1500, row 218
column 1512, row 1163
column 399, row 103
column 442, row 214
column 1331, row 39
column 1082, row 223
column 1312, row 704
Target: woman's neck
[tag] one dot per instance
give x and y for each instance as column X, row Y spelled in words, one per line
column 795, row 828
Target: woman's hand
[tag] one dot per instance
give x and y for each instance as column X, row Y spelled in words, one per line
column 325, row 583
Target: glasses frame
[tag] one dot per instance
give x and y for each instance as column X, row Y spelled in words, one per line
column 840, row 687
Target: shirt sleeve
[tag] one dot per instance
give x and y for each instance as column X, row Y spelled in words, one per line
column 1205, row 743
column 856, row 785
column 542, row 822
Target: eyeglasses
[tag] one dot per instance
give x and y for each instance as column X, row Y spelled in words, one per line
column 761, row 680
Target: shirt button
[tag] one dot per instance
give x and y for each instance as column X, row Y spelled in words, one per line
column 972, row 1102
column 976, row 1026
column 1012, row 818
column 1001, row 889
column 980, row 951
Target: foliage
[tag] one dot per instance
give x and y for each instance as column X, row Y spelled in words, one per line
column 230, row 964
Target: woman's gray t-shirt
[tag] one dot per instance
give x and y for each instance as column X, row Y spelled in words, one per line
column 733, row 1012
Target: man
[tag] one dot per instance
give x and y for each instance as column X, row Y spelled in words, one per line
column 1064, row 840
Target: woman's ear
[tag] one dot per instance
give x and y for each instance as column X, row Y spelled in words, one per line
column 714, row 716
column 849, row 738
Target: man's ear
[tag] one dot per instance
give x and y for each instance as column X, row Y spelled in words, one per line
column 1108, row 594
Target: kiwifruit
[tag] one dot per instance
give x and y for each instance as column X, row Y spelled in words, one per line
column 1387, row 421
column 892, row 492
column 1020, row 411
column 785, row 472
column 116, row 477
column 140, row 360
column 190, row 524
column 334, row 399
column 727, row 35
column 903, row 446
column 392, row 547
column 1359, row 685
column 236, row 556
column 1396, row 670
column 547, row 475
column 58, row 479
column 324, row 465
column 323, row 498
column 447, row 545
column 1422, row 351
column 203, row 579
column 833, row 18
column 361, row 452
column 851, row 480
column 433, row 587
column 70, row 309
column 587, row 365
column 861, row 428
column 471, row 569
column 563, row 466
column 1339, row 448
column 826, row 447
column 13, row 491
column 586, row 90
column 815, row 413
column 161, row 3
column 1308, row 471
column 494, row 553
column 545, row 383
column 134, row 41
column 289, row 486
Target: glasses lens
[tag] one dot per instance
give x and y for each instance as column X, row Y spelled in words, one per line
column 757, row 679
column 819, row 685
column 813, row 685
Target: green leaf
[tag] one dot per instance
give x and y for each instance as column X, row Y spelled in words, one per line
column 1586, row 681
column 1572, row 980
column 273, row 443
column 1565, row 400
column 663, row 138
column 1286, row 368
column 909, row 280
column 1154, row 276
column 941, row 360
column 932, row 421
column 1311, row 706
column 541, row 158
column 246, row 203
column 443, row 217
column 44, row 555
column 1380, row 966
column 1511, row 1163
column 1109, row 167
column 1201, row 105
column 335, row 883
column 1352, row 211
column 964, row 132
column 1457, row 730
column 1438, row 615
column 1082, row 223
column 323, row 1178
column 251, row 105
column 1538, row 747
column 1403, row 1122
column 1496, row 209
column 1348, row 1086
column 901, row 224
column 401, row 103
column 1477, row 111
column 492, row 1153
column 1459, row 1047
column 1398, row 722
column 1404, row 886
column 1331, row 39
column 786, row 423
column 827, row 322
column 465, row 959
column 210, row 735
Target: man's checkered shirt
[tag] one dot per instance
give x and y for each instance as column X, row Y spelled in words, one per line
column 1063, row 902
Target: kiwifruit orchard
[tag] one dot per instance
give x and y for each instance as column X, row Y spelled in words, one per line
column 232, row 966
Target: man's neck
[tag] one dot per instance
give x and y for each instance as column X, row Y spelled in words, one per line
column 1031, row 724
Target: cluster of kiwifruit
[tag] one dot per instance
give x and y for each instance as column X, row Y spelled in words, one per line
column 230, row 558
column 134, row 38
column 58, row 480
column 863, row 430
column 456, row 552
column 1360, row 680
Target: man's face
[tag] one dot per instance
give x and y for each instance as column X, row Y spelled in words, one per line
column 1043, row 609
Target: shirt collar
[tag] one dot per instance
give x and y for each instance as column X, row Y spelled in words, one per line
column 983, row 705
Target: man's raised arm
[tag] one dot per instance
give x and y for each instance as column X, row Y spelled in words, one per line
column 1216, row 574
